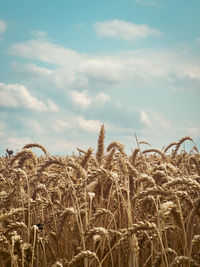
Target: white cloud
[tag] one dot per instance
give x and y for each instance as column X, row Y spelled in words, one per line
column 2, row 128
column 72, row 70
column 155, row 120
column 145, row 119
column 61, row 126
column 83, row 100
column 34, row 126
column 17, row 95
column 88, row 125
column 17, row 142
column 193, row 73
column 60, row 145
column 2, row 27
column 52, row 106
column 46, row 52
column 159, row 131
column 77, row 123
column 193, row 130
column 147, row 2
column 32, row 69
column 120, row 29
column 79, row 25
column 39, row 34
column 103, row 98
column 80, row 98
column 159, row 118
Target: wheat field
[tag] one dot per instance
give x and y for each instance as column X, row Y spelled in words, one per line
column 103, row 208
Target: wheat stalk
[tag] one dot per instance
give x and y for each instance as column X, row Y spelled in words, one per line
column 108, row 209
column 38, row 146
column 100, row 149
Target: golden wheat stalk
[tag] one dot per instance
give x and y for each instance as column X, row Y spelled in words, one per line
column 109, row 159
column 134, row 155
column 80, row 211
column 155, row 151
column 159, row 258
column 196, row 163
column 86, row 157
column 182, row 140
column 100, row 148
column 10, row 213
column 50, row 162
column 82, row 255
column 38, row 146
column 26, row 153
column 179, row 260
column 169, row 146
column 117, row 145
column 152, row 192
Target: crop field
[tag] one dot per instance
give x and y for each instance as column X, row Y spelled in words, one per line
column 101, row 208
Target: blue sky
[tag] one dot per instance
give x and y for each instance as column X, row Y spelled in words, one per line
column 67, row 66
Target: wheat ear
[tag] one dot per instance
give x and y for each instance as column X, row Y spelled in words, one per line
column 38, row 146
column 100, row 148
column 86, row 157
column 82, row 255
column 179, row 260
column 180, row 142
column 170, row 145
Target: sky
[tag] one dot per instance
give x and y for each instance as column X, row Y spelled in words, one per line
column 69, row 66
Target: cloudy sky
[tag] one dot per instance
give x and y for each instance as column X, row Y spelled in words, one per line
column 67, row 66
